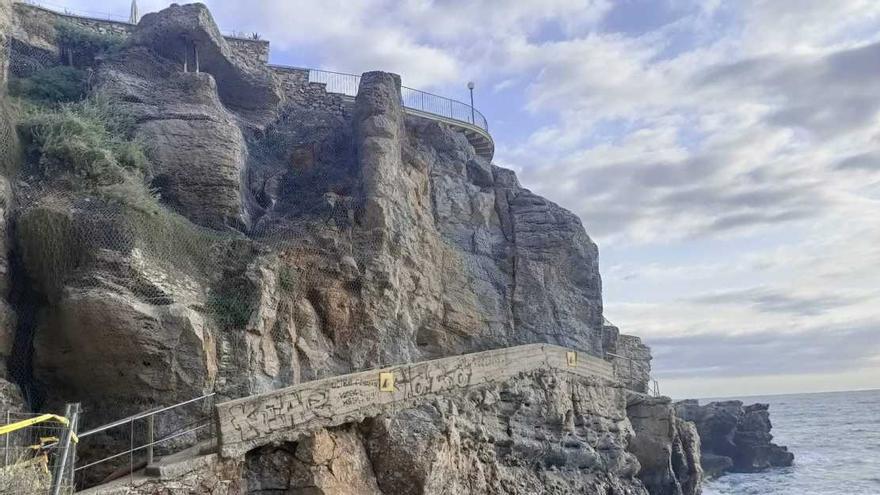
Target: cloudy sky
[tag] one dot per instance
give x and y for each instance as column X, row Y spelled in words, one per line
column 724, row 155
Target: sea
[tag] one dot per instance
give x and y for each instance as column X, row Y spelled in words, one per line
column 835, row 438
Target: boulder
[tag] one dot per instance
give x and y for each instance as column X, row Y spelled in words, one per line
column 735, row 437
column 668, row 448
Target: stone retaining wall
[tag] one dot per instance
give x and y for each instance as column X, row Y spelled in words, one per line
column 291, row 413
column 33, row 20
column 297, row 89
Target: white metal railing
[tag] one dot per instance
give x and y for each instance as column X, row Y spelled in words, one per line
column 347, row 84
column 141, row 432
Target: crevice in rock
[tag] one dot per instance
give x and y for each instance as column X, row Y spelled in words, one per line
column 26, row 302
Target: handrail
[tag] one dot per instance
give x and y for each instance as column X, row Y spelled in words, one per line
column 348, row 84
column 141, row 415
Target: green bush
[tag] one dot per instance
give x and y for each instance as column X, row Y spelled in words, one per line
column 82, row 45
column 86, row 140
column 230, row 309
column 57, row 84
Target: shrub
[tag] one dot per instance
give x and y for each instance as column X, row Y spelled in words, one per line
column 86, row 140
column 231, row 309
column 82, row 45
column 57, row 84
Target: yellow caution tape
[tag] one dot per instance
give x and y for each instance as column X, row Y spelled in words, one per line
column 5, row 429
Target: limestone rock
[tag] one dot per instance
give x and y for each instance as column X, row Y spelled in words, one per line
column 327, row 463
column 10, row 398
column 539, row 433
column 188, row 35
column 739, row 433
column 197, row 149
column 667, row 448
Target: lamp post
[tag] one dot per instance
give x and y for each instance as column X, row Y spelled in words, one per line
column 471, row 88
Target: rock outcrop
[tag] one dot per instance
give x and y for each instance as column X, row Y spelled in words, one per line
column 734, row 437
column 667, row 447
column 539, row 433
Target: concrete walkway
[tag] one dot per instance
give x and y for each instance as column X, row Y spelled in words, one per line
column 290, row 413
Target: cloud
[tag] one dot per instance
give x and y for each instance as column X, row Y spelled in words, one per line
column 765, row 299
column 772, row 352
column 869, row 161
column 701, row 146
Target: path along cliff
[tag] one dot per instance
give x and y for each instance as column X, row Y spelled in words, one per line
column 182, row 218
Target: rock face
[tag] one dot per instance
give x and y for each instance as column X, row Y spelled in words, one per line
column 10, row 397
column 735, row 437
column 541, row 433
column 667, row 447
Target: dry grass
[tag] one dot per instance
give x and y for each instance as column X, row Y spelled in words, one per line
column 27, row 477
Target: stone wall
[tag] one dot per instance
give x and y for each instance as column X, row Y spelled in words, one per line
column 297, row 90
column 630, row 357
column 249, row 49
column 33, row 20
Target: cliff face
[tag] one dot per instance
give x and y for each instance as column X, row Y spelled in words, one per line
column 10, row 398
column 289, row 240
column 222, row 226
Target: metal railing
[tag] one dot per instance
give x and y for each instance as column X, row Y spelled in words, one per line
column 38, row 452
column 83, row 14
column 347, row 84
column 140, row 431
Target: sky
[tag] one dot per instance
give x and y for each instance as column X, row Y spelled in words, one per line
column 725, row 156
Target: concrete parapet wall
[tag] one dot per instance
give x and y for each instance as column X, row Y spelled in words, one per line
column 293, row 412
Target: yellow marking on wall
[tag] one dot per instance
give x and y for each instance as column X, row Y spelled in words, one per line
column 386, row 382
column 571, row 358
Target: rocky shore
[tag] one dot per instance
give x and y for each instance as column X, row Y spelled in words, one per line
column 734, row 437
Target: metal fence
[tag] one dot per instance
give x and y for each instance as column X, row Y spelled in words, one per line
column 347, row 84
column 38, row 453
column 138, row 439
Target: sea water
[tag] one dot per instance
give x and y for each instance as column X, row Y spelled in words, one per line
column 835, row 438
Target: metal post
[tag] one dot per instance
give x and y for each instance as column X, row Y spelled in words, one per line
column 71, row 412
column 196, row 53
column 150, row 425
column 131, row 452
column 471, row 88
column 6, row 451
